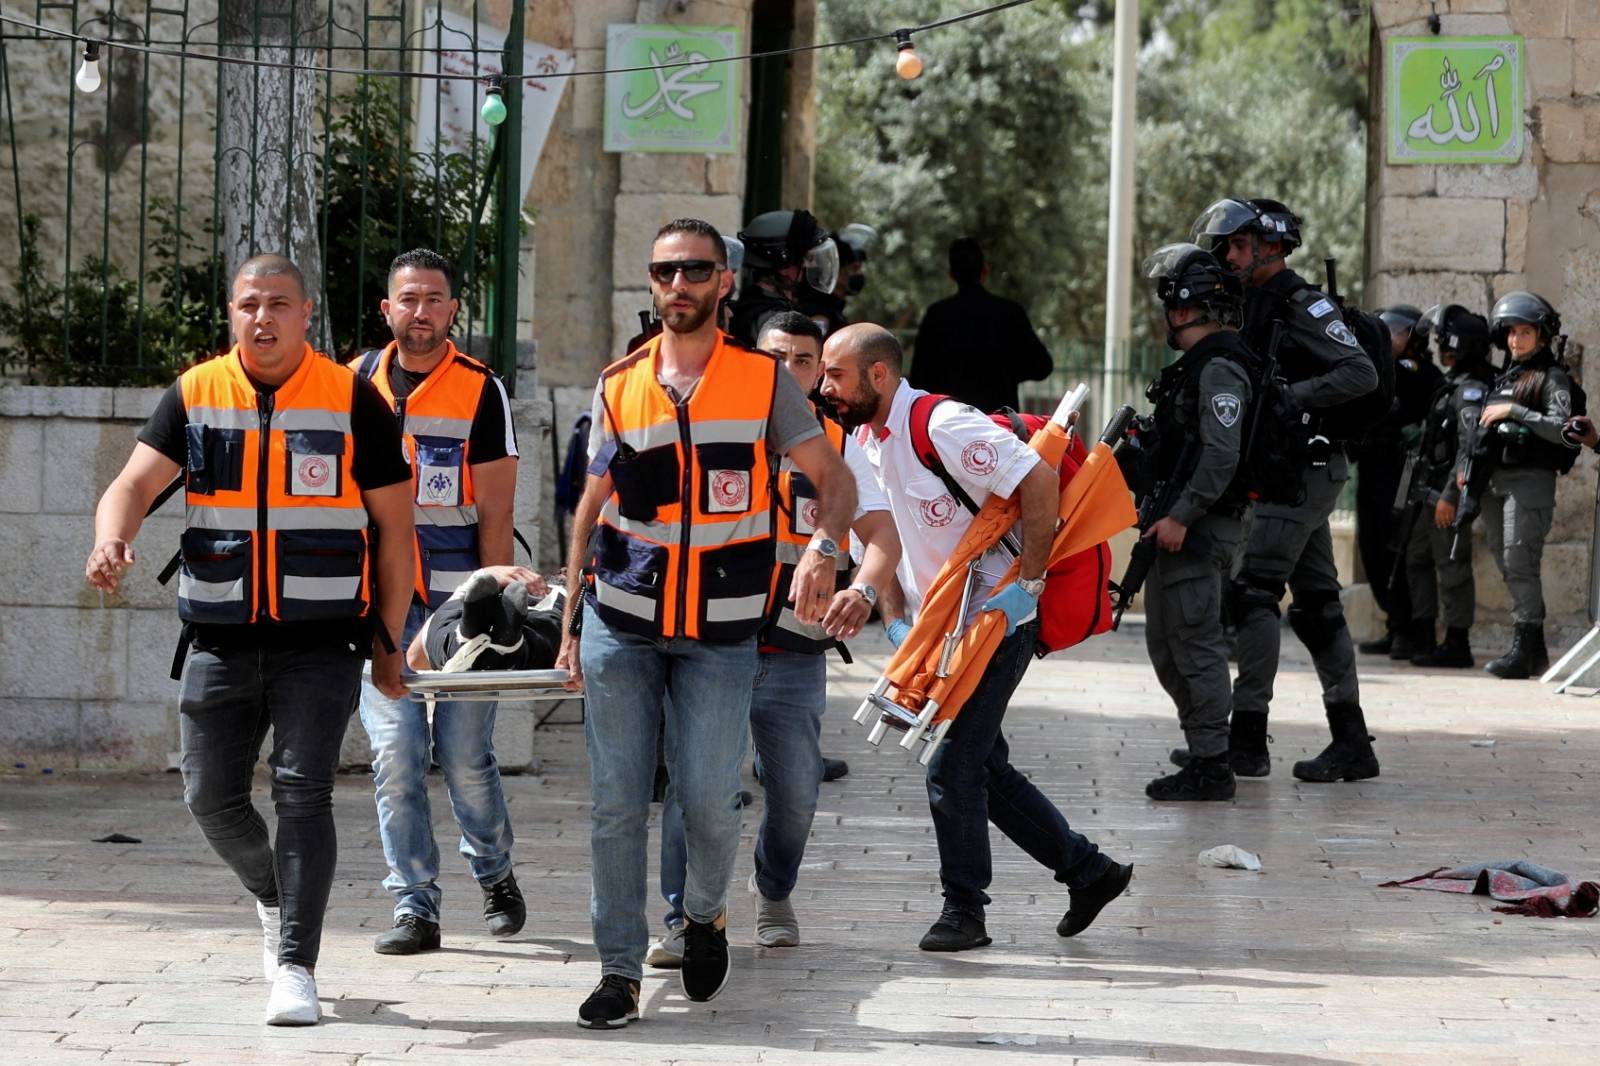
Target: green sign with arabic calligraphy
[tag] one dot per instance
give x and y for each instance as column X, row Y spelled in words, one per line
column 675, row 96
column 1455, row 100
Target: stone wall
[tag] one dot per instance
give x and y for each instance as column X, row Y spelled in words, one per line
column 1470, row 234
column 83, row 677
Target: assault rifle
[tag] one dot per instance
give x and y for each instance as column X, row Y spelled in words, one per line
column 1475, row 470
column 1412, row 503
column 1156, row 505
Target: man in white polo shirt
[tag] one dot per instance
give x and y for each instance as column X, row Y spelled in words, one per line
column 970, row 779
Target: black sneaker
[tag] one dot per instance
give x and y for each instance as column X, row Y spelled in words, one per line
column 1086, row 903
column 706, row 965
column 503, row 910
column 956, row 930
column 410, row 935
column 833, row 769
column 613, row 1003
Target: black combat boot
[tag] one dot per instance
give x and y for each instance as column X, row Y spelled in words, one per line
column 1247, row 747
column 1205, row 778
column 1349, row 757
column 1422, row 640
column 1538, row 655
column 1518, row 662
column 1454, row 652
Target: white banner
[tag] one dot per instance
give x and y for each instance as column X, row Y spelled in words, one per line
column 448, row 110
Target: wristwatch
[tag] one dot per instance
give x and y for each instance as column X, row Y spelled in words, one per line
column 824, row 547
column 1033, row 586
column 868, row 593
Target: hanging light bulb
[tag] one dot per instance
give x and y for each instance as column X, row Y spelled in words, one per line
column 88, row 76
column 908, row 64
column 493, row 110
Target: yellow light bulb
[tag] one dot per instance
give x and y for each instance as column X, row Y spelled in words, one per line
column 908, row 64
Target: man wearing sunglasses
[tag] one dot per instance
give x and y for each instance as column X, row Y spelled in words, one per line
column 670, row 577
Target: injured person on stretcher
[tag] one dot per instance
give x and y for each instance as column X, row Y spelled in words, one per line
column 491, row 622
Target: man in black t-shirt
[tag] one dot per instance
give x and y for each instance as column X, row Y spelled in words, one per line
column 289, row 460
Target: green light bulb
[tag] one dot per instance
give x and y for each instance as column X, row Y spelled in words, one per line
column 494, row 108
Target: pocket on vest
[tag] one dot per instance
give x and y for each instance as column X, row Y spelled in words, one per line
column 726, row 472
column 646, row 481
column 735, row 585
column 628, row 577
column 313, row 462
column 439, row 464
column 449, row 556
column 320, row 573
column 216, row 459
column 215, row 580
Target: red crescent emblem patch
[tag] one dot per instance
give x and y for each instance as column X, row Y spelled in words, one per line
column 314, row 472
column 979, row 458
column 940, row 512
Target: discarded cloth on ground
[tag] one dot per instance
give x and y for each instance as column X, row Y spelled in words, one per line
column 1525, row 887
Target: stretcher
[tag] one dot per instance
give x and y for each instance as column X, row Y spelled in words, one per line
column 488, row 685
column 942, row 660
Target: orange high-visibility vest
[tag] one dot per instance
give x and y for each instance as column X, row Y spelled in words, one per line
column 436, row 423
column 797, row 521
column 684, row 543
column 275, row 528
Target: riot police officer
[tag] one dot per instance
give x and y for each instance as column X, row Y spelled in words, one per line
column 827, row 309
column 1432, row 572
column 783, row 251
column 1292, row 546
column 1381, row 456
column 1526, row 409
column 1201, row 402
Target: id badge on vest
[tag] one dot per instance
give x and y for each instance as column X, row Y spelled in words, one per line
column 314, row 461
column 439, row 462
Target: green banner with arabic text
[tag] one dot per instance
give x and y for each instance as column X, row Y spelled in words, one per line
column 671, row 93
column 1455, row 100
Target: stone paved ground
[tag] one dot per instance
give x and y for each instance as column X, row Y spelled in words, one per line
column 143, row 953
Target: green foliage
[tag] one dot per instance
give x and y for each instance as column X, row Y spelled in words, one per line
column 90, row 328
column 99, row 326
column 1005, row 138
column 382, row 199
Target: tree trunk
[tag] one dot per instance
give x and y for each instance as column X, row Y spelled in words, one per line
column 266, row 130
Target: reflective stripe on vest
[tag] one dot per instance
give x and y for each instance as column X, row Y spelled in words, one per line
column 436, row 425
column 684, row 544
column 274, row 524
column 797, row 522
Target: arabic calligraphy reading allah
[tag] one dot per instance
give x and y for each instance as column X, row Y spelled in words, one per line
column 1422, row 127
column 674, row 88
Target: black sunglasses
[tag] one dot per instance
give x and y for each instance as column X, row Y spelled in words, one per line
column 695, row 271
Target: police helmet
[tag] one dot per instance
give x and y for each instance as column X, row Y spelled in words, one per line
column 1400, row 316
column 735, row 250
column 1425, row 325
column 858, row 237
column 1515, row 307
column 1463, row 332
column 1269, row 218
column 1187, row 275
column 778, row 239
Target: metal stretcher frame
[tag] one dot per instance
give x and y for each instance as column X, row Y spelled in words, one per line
column 483, row 686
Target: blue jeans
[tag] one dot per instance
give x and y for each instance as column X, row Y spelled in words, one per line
column 230, row 698
column 786, row 704
column 461, row 739
column 971, row 782
column 703, row 691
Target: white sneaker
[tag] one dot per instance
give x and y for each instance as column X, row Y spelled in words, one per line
column 271, row 926
column 667, row 953
column 294, row 997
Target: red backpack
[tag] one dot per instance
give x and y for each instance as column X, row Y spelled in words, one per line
column 1076, row 604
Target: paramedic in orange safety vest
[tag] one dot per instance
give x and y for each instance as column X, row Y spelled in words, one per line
column 970, row 779
column 456, row 423
column 296, row 565
column 673, row 587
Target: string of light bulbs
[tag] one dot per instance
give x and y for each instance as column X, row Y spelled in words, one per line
column 88, row 78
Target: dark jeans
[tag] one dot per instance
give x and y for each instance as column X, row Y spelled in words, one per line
column 971, row 782
column 229, row 700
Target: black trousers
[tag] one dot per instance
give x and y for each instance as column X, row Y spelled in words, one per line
column 1377, row 481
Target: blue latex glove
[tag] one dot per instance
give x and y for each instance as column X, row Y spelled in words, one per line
column 898, row 631
column 1017, row 605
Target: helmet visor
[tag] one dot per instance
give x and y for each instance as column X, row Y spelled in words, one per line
column 1165, row 261
column 735, row 249
column 1222, row 219
column 822, row 266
